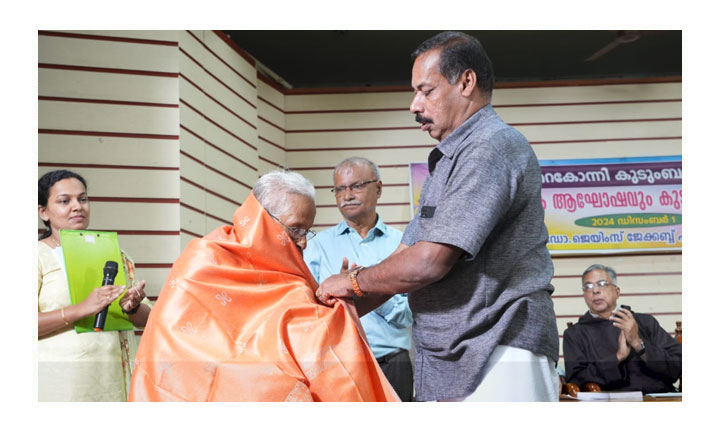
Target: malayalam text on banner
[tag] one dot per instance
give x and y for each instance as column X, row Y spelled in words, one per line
column 605, row 205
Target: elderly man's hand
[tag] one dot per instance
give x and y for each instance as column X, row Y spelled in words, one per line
column 336, row 286
column 623, row 348
column 625, row 321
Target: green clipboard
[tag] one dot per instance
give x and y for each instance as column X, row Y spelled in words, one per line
column 85, row 254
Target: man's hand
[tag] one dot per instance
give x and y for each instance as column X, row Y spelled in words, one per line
column 623, row 348
column 625, row 321
column 336, row 286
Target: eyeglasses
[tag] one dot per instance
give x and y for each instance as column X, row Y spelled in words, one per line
column 589, row 286
column 294, row 232
column 339, row 190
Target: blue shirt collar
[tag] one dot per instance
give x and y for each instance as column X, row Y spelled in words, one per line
column 379, row 229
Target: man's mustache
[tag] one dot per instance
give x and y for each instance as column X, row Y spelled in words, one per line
column 351, row 202
column 421, row 119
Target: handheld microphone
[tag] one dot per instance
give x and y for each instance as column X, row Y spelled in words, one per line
column 109, row 273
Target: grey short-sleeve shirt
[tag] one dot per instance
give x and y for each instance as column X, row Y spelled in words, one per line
column 482, row 196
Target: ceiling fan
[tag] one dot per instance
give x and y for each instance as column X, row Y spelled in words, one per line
column 621, row 37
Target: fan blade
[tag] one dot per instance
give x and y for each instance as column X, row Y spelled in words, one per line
column 604, row 50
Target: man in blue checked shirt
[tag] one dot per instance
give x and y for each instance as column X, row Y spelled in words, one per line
column 364, row 240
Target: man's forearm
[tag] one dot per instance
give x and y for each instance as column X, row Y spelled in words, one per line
column 408, row 270
column 370, row 302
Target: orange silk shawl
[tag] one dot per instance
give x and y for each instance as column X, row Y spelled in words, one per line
column 237, row 320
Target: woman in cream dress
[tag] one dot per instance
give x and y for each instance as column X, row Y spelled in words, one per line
column 72, row 366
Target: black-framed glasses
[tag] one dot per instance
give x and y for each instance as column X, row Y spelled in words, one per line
column 589, row 286
column 294, row 232
column 339, row 190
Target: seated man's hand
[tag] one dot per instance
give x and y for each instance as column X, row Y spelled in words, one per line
column 623, row 348
column 625, row 321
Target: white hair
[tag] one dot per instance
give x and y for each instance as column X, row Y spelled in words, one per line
column 357, row 161
column 610, row 272
column 271, row 189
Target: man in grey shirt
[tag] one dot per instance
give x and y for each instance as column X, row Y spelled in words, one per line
column 474, row 257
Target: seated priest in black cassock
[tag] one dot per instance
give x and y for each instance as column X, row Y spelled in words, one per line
column 617, row 348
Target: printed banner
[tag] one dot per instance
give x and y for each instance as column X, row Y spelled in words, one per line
column 605, row 205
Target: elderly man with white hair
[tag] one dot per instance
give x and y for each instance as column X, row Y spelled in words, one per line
column 362, row 238
column 237, row 319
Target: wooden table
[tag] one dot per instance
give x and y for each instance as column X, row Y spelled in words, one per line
column 566, row 398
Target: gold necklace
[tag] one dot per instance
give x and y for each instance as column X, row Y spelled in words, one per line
column 57, row 243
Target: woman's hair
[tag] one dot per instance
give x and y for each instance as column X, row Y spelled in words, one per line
column 45, row 183
column 272, row 188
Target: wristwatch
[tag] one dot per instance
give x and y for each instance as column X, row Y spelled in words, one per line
column 353, row 280
column 642, row 348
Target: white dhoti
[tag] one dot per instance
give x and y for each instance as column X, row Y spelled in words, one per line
column 516, row 375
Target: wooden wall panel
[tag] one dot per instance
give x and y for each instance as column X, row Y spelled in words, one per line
column 154, row 35
column 219, row 132
column 380, row 155
column 193, row 221
column 228, row 66
column 570, row 266
column 522, row 114
column 155, row 249
column 591, row 113
column 349, row 101
column 551, row 133
column 270, row 96
column 107, row 54
column 350, row 120
column 271, row 114
column 271, row 128
column 224, row 208
column 270, row 157
column 606, row 131
column 587, row 94
column 191, row 142
column 131, row 216
column 108, row 109
column 240, row 64
column 232, row 166
column 192, row 170
column 98, row 117
column 272, row 133
column 192, row 195
column 154, row 278
column 601, row 149
column 359, row 140
column 68, row 150
column 128, row 183
column 110, row 86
